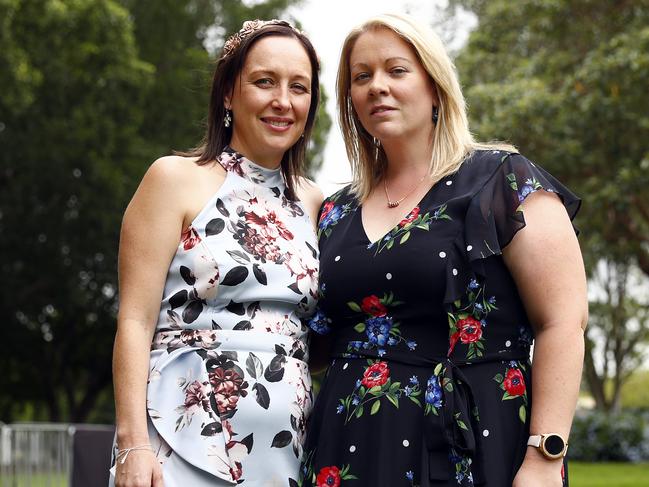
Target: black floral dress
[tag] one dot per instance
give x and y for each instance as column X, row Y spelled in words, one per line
column 429, row 379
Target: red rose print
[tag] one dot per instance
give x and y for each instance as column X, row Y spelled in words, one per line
column 189, row 238
column 470, row 330
column 372, row 305
column 227, row 386
column 376, row 375
column 410, row 217
column 514, row 382
column 325, row 210
column 195, row 395
column 279, row 224
column 328, row 477
column 270, row 226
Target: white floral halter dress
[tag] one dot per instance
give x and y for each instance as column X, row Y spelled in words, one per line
column 229, row 388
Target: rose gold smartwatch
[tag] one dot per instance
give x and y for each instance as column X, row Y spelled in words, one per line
column 551, row 445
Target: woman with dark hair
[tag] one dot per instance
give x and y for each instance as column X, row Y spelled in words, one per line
column 439, row 265
column 218, row 267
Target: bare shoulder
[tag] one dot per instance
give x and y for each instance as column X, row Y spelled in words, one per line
column 310, row 195
column 171, row 168
column 309, row 192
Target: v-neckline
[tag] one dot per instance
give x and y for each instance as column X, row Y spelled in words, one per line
column 371, row 242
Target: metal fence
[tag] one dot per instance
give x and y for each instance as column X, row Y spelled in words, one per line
column 55, row 455
column 36, row 455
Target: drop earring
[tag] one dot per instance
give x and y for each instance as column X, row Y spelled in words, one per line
column 435, row 115
column 227, row 120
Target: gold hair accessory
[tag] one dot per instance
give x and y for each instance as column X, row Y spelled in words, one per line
column 250, row 26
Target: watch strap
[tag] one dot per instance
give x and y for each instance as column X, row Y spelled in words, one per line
column 534, row 440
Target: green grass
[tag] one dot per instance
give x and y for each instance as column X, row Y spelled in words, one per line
column 608, row 474
column 36, row 480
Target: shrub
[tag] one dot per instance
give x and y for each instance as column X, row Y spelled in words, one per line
column 598, row 437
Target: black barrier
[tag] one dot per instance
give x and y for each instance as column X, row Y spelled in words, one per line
column 91, row 455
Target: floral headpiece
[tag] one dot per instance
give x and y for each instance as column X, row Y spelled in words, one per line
column 250, row 26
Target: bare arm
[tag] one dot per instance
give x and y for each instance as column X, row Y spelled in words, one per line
column 150, row 234
column 545, row 261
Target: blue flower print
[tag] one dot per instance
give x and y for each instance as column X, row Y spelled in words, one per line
column 378, row 330
column 462, row 468
column 331, row 217
column 434, row 392
column 319, row 323
column 331, row 214
column 524, row 192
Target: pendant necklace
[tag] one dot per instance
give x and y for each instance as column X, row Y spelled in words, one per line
column 394, row 204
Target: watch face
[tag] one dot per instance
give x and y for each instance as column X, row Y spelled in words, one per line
column 554, row 444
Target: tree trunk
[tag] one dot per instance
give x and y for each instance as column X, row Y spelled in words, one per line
column 100, row 380
column 595, row 383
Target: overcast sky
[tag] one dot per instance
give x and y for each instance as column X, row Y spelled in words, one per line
column 327, row 24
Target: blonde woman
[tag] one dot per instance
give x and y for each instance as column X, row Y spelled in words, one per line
column 440, row 265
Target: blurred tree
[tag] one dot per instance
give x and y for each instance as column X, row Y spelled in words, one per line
column 92, row 91
column 71, row 102
column 619, row 327
column 565, row 80
column 635, row 392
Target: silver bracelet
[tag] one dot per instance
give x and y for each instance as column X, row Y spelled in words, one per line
column 123, row 454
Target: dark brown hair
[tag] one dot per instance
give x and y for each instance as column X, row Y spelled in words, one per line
column 228, row 67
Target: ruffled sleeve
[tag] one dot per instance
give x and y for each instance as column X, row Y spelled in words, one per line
column 494, row 214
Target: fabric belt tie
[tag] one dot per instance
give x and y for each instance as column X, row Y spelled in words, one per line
column 444, row 437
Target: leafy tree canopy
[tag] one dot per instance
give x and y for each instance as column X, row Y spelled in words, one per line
column 565, row 80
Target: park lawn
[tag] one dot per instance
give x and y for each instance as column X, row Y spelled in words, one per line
column 36, row 480
column 609, row 474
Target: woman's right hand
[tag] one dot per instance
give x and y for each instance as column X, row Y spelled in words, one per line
column 141, row 469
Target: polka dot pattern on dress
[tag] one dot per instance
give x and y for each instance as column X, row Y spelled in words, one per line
column 352, row 448
column 388, row 276
column 406, row 443
column 442, row 254
column 337, row 258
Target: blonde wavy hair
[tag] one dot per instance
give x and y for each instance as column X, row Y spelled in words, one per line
column 452, row 140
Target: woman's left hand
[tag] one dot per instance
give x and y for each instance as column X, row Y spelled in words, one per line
column 537, row 471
